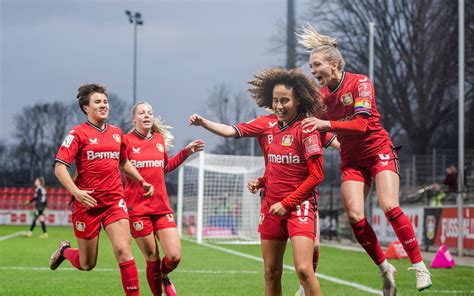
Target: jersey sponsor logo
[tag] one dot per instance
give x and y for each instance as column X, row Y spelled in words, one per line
column 117, row 138
column 139, row 164
column 287, row 140
column 138, row 225
column 80, row 226
column 160, row 147
column 285, row 159
column 270, row 139
column 91, row 155
column 136, row 150
column 67, row 141
column 311, row 144
column 93, row 141
column 272, row 124
column 365, row 90
column 170, row 217
column 346, row 99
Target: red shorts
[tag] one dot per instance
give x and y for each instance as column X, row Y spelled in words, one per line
column 364, row 170
column 145, row 225
column 87, row 223
column 299, row 222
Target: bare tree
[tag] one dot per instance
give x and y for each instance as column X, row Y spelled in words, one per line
column 415, row 64
column 224, row 107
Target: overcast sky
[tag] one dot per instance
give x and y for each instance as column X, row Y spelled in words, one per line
column 49, row 48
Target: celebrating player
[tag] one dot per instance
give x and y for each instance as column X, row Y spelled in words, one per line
column 98, row 149
column 366, row 153
column 153, row 216
column 40, row 206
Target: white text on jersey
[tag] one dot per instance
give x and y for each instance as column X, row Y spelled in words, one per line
column 91, row 155
column 289, row 159
column 148, row 163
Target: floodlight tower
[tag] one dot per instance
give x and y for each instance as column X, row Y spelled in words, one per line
column 135, row 19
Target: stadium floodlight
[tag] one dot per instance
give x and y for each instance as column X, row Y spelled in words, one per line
column 136, row 20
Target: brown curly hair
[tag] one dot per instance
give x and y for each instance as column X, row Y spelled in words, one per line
column 86, row 90
column 305, row 90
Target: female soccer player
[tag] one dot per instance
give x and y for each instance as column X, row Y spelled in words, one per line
column 99, row 151
column 366, row 153
column 153, row 216
column 293, row 170
column 40, row 206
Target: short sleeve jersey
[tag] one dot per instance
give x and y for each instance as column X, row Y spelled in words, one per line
column 355, row 95
column 97, row 153
column 148, row 155
column 288, row 152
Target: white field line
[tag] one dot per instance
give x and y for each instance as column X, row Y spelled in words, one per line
column 288, row 267
column 116, row 270
column 11, row 235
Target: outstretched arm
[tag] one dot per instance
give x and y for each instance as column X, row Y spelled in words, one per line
column 219, row 129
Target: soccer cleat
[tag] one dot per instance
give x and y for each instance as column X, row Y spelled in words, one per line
column 388, row 276
column 57, row 258
column 168, row 286
column 27, row 233
column 43, row 235
column 423, row 278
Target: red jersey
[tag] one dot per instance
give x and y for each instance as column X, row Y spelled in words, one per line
column 148, row 155
column 288, row 152
column 355, row 95
column 97, row 153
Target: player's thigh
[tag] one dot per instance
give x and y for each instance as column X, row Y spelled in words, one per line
column 272, row 253
column 120, row 238
column 353, row 196
column 170, row 242
column 303, row 248
column 388, row 189
column 88, row 250
column 148, row 246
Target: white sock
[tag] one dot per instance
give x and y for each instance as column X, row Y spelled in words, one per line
column 420, row 265
column 383, row 266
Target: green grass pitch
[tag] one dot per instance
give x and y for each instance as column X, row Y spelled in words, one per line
column 203, row 270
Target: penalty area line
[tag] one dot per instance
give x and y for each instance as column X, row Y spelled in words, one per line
column 2, row 238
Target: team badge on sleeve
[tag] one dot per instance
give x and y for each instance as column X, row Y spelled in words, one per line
column 362, row 105
column 365, row 90
column 287, row 140
column 67, row 141
column 311, row 144
column 160, row 147
column 117, row 138
column 138, row 225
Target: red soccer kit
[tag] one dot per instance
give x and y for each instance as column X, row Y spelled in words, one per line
column 288, row 153
column 363, row 155
column 148, row 155
column 97, row 153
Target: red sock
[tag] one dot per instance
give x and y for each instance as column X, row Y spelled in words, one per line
column 129, row 274
column 168, row 265
column 366, row 237
column 315, row 259
column 405, row 233
column 73, row 256
column 153, row 275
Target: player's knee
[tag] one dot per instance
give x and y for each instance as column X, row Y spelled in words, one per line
column 304, row 271
column 88, row 266
column 272, row 273
column 175, row 258
column 355, row 217
column 123, row 252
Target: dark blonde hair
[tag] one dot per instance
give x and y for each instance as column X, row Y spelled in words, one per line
column 305, row 90
column 158, row 126
column 86, row 90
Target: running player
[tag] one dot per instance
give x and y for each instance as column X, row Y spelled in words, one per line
column 40, row 206
column 366, row 153
column 153, row 216
column 98, row 149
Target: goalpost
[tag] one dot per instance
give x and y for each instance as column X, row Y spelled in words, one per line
column 213, row 200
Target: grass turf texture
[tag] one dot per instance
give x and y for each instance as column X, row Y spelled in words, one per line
column 202, row 271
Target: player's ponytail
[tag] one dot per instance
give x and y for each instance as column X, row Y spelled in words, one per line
column 314, row 42
column 158, row 126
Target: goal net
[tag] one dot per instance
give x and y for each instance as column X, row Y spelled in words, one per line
column 213, row 200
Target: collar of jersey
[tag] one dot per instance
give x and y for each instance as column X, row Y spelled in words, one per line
column 143, row 136
column 339, row 84
column 282, row 128
column 96, row 127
